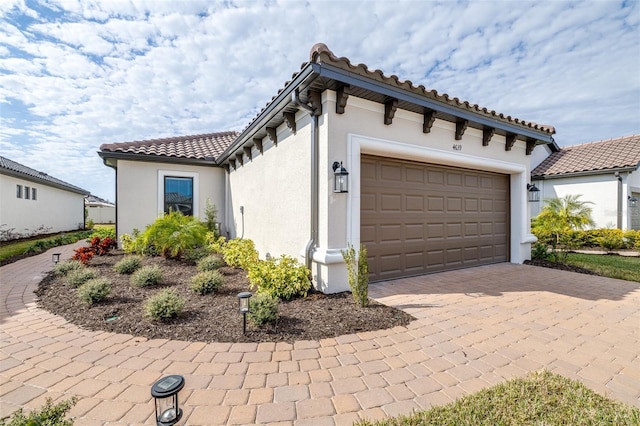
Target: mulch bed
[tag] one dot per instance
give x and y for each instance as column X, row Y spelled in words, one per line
column 213, row 317
column 560, row 266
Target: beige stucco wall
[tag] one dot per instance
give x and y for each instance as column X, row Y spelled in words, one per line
column 101, row 213
column 601, row 190
column 139, row 191
column 55, row 209
column 273, row 191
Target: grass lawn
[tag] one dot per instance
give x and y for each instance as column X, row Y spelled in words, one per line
column 541, row 398
column 613, row 266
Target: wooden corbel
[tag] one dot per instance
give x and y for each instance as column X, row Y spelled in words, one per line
column 487, row 134
column 247, row 151
column 429, row 118
column 390, row 108
column 461, row 126
column 315, row 98
column 290, row 120
column 258, row 143
column 240, row 158
column 342, row 94
column 531, row 143
column 232, row 163
column 510, row 141
column 271, row 132
column 226, row 167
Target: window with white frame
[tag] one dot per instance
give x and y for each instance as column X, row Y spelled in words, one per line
column 178, row 191
column 27, row 192
column 33, row 194
column 18, row 191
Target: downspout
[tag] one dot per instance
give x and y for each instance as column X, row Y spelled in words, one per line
column 315, row 141
column 619, row 178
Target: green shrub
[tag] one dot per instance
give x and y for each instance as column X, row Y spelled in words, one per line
column 631, row 238
column 211, row 214
column 240, row 253
column 89, row 224
column 196, row 254
column 63, row 268
column 210, row 263
column 165, row 304
column 135, row 243
column 48, row 415
column 611, row 239
column 540, row 251
column 206, row 282
column 147, row 276
column 77, row 277
column 283, row 277
column 94, row 291
column 264, row 309
column 173, row 234
column 104, row 232
column 357, row 273
column 216, row 243
column 128, row 265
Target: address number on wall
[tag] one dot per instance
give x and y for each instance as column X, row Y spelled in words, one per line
column 457, row 147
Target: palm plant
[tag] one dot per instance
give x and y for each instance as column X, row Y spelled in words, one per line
column 173, row 234
column 558, row 219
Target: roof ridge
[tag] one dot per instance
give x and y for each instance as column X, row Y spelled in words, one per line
column 635, row 135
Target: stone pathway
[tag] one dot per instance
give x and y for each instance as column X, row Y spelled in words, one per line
column 475, row 328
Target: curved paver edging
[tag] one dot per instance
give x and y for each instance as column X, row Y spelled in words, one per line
column 475, row 328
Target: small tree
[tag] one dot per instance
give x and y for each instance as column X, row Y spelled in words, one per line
column 211, row 215
column 556, row 223
column 358, row 273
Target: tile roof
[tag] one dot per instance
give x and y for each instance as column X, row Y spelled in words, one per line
column 320, row 53
column 618, row 153
column 201, row 147
column 10, row 167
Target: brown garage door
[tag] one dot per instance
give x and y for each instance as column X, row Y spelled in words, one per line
column 418, row 218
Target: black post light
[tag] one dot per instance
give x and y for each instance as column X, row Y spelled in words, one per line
column 340, row 177
column 633, row 201
column 534, row 193
column 165, row 392
column 55, row 258
column 243, row 298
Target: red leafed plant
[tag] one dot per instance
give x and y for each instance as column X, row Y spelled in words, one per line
column 98, row 247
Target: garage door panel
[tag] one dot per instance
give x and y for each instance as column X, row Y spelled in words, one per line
column 418, row 218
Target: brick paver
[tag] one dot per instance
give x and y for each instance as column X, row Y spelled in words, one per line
column 474, row 328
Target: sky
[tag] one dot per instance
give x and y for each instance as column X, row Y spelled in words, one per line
column 75, row 74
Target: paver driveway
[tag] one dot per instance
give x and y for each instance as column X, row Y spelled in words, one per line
column 474, row 328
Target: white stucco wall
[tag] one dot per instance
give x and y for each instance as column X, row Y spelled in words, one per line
column 601, row 190
column 101, row 213
column 139, row 192
column 273, row 190
column 539, row 154
column 361, row 130
column 55, row 209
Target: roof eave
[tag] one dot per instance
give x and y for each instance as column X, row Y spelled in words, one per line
column 110, row 155
column 348, row 77
column 33, row 179
column 586, row 173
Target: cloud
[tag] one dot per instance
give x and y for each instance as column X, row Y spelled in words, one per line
column 76, row 74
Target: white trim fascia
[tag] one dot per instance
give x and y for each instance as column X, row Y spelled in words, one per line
column 176, row 173
column 358, row 145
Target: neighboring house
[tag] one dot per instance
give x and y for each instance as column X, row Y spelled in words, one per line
column 434, row 183
column 32, row 202
column 99, row 210
column 605, row 173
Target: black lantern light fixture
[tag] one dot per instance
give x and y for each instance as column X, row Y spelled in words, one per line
column 243, row 298
column 633, row 201
column 165, row 392
column 340, row 177
column 55, row 258
column 534, row 193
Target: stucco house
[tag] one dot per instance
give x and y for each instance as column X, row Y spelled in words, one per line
column 606, row 173
column 32, row 202
column 100, row 210
column 434, row 183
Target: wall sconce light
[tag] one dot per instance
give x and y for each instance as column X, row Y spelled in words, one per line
column 534, row 193
column 633, row 201
column 55, row 258
column 165, row 393
column 244, row 308
column 341, row 177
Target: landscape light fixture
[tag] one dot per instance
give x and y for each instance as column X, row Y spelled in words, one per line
column 165, row 393
column 534, row 193
column 633, row 201
column 55, row 258
column 340, row 177
column 243, row 298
